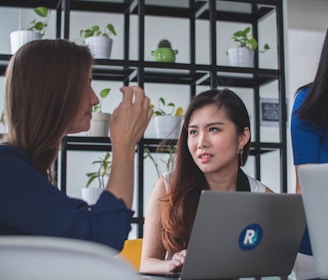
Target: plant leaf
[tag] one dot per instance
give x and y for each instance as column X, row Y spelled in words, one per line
column 91, row 179
column 111, row 28
column 39, row 26
column 88, row 33
column 252, row 43
column 179, row 111
column 162, row 100
column 266, row 47
column 96, row 108
column 247, row 30
column 104, row 92
column 95, row 28
column 41, row 11
column 239, row 34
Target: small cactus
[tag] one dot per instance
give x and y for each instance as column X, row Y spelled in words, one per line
column 164, row 44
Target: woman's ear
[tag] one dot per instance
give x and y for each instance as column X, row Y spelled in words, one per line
column 244, row 137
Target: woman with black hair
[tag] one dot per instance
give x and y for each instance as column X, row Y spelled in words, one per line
column 309, row 130
column 214, row 143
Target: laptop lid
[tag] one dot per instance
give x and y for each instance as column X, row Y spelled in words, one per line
column 313, row 181
column 242, row 234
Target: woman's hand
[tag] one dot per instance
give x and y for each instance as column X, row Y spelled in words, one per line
column 177, row 261
column 130, row 119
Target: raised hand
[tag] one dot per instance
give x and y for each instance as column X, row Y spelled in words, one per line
column 130, row 119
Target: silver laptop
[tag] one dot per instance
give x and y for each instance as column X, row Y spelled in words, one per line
column 314, row 186
column 242, row 234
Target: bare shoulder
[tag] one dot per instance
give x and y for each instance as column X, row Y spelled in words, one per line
column 159, row 189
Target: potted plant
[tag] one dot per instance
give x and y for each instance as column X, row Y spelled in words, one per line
column 34, row 32
column 91, row 194
column 167, row 119
column 99, row 42
column 243, row 54
column 99, row 121
column 164, row 52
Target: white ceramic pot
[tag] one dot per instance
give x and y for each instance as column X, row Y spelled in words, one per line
column 167, row 126
column 20, row 37
column 241, row 57
column 99, row 125
column 91, row 195
column 100, row 46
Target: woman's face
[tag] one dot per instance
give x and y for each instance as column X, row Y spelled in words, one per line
column 213, row 140
column 81, row 119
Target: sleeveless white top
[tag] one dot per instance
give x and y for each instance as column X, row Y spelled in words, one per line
column 255, row 185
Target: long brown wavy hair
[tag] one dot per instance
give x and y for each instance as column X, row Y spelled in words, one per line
column 45, row 81
column 187, row 180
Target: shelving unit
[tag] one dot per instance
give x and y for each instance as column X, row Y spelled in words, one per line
column 191, row 74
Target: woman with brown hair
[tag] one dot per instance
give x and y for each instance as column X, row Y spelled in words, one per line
column 214, row 142
column 49, row 95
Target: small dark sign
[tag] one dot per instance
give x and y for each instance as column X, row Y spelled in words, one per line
column 270, row 113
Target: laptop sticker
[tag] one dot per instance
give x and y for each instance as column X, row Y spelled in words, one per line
column 250, row 237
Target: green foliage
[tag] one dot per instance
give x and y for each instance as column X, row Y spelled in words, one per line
column 161, row 109
column 170, row 150
column 103, row 171
column 95, row 31
column 164, row 43
column 245, row 39
column 103, row 94
column 40, row 26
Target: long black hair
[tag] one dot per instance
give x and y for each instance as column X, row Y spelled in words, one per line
column 186, row 182
column 314, row 108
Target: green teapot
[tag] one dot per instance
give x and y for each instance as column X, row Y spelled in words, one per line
column 164, row 52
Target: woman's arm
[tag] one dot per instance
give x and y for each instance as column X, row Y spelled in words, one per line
column 153, row 252
column 298, row 187
column 127, row 125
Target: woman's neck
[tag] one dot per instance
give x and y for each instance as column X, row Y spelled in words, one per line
column 223, row 181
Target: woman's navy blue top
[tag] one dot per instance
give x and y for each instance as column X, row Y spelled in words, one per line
column 31, row 205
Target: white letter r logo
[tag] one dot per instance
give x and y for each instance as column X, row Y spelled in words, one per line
column 249, row 234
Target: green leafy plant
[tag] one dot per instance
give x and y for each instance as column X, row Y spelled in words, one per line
column 245, row 39
column 164, row 43
column 165, row 109
column 103, row 94
column 95, row 31
column 104, row 166
column 170, row 150
column 37, row 25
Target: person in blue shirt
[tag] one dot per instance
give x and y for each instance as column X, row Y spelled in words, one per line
column 309, row 126
column 49, row 95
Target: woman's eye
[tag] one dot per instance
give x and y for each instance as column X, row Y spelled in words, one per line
column 213, row 129
column 192, row 132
